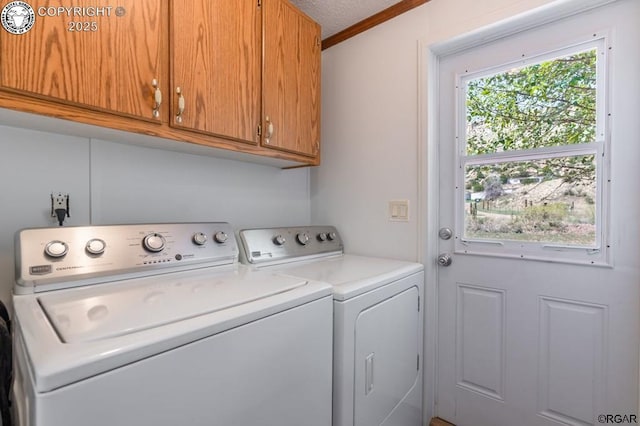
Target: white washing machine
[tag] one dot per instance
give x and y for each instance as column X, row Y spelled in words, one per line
column 152, row 325
column 378, row 320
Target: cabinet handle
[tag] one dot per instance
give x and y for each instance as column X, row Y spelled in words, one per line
column 157, row 95
column 269, row 130
column 180, row 105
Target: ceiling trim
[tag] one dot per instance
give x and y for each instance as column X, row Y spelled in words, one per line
column 370, row 22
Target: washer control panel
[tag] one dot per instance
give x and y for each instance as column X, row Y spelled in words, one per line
column 70, row 256
column 280, row 244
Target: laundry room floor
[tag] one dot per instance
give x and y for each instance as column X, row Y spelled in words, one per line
column 439, row 422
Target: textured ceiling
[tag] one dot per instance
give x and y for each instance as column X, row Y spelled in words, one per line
column 337, row 15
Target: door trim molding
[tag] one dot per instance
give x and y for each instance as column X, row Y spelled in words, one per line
column 539, row 16
column 429, row 54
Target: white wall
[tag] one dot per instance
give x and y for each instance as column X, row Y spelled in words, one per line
column 114, row 183
column 370, row 146
column 371, row 138
column 133, row 184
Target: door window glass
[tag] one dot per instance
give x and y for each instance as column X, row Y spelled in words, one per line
column 534, row 200
column 550, row 103
column 531, row 153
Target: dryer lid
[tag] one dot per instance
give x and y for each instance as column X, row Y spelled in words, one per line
column 102, row 311
column 352, row 275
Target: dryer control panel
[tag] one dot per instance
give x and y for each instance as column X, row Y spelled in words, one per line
column 51, row 258
column 283, row 244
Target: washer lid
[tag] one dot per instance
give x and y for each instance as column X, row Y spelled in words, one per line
column 138, row 318
column 102, row 311
column 351, row 275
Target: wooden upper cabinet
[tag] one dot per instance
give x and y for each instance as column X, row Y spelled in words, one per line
column 241, row 75
column 291, row 80
column 101, row 56
column 215, row 50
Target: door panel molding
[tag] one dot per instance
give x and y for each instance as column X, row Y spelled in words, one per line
column 573, row 338
column 480, row 341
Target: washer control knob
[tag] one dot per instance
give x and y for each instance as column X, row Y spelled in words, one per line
column 332, row 236
column 95, row 246
column 220, row 237
column 199, row 238
column 154, row 243
column 303, row 238
column 56, row 249
column 322, row 237
column 279, row 240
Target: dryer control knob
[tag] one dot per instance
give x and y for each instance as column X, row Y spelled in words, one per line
column 322, row 237
column 56, row 249
column 199, row 238
column 279, row 240
column 303, row 238
column 332, row 236
column 220, row 237
column 95, row 246
column 154, row 243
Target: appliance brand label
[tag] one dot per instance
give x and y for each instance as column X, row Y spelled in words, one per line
column 40, row 270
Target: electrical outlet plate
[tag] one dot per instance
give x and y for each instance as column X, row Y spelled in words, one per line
column 399, row 210
column 58, row 201
column 60, row 206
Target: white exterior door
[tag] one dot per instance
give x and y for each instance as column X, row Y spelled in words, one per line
column 541, row 332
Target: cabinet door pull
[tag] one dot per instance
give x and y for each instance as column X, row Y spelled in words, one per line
column 157, row 95
column 269, row 130
column 180, row 105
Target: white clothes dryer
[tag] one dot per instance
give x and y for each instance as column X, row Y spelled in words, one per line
column 151, row 325
column 378, row 320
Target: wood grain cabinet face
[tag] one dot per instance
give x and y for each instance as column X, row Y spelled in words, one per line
column 101, row 56
column 291, row 80
column 215, row 63
column 221, row 66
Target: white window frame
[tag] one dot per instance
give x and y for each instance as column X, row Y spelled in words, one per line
column 600, row 253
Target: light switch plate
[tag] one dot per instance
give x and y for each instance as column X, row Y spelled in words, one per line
column 399, row 210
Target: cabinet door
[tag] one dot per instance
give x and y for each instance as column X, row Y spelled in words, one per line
column 215, row 62
column 101, row 55
column 291, row 92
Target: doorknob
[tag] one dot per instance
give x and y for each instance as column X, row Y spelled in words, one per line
column 445, row 233
column 444, row 259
